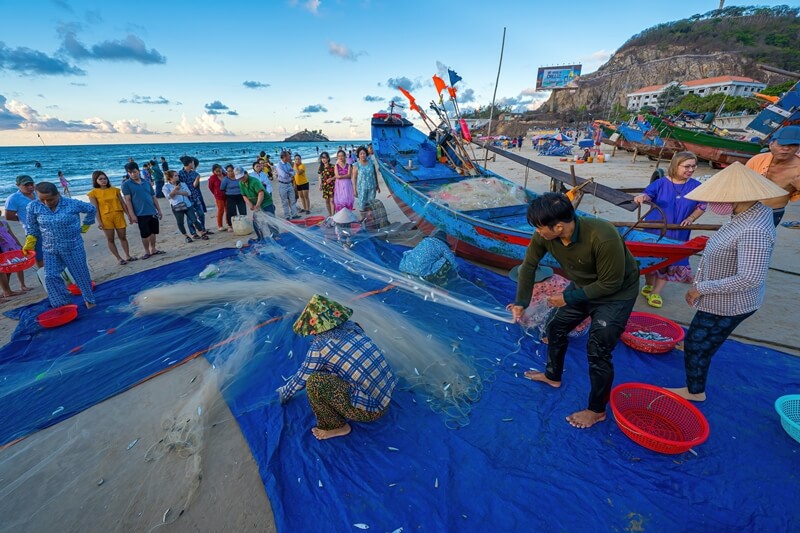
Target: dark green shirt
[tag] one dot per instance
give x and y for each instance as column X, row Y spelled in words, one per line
column 250, row 191
column 596, row 260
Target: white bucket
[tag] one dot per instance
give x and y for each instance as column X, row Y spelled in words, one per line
column 241, row 225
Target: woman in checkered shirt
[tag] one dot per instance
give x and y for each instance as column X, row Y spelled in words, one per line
column 731, row 279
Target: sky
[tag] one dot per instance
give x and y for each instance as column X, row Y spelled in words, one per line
column 87, row 72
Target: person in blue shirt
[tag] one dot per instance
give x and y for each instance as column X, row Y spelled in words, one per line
column 431, row 259
column 55, row 220
column 16, row 206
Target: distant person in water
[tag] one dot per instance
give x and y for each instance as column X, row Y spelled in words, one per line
column 605, row 283
column 346, row 376
column 37, row 165
column 64, row 184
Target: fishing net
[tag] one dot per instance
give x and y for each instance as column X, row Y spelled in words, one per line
column 480, row 193
column 442, row 341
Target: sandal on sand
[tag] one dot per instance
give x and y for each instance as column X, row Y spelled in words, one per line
column 145, row 256
column 647, row 290
column 123, row 262
column 204, row 237
column 132, row 258
column 189, row 239
column 158, row 252
column 654, row 300
column 195, row 236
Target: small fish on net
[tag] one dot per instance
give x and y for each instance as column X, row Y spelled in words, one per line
column 651, row 336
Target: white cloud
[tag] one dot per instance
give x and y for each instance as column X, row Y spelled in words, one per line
column 131, row 126
column 342, row 51
column 347, row 119
column 204, row 124
column 595, row 60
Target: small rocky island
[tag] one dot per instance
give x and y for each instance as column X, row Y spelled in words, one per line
column 305, row 136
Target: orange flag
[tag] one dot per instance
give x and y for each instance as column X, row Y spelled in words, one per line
column 411, row 100
column 439, row 83
column 452, row 91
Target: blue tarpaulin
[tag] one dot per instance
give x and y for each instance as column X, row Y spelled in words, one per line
column 517, row 465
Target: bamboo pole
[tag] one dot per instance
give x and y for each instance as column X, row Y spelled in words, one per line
column 494, row 97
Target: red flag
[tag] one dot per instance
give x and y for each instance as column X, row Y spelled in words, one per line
column 439, row 83
column 452, row 91
column 412, row 102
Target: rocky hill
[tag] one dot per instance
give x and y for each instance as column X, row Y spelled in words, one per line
column 307, row 136
column 722, row 42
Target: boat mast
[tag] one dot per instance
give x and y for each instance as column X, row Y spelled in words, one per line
column 494, row 96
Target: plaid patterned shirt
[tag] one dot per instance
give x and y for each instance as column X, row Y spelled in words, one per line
column 348, row 353
column 732, row 275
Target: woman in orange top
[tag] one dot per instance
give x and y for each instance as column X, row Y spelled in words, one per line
column 111, row 211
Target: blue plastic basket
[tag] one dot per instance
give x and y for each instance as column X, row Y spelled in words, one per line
column 789, row 408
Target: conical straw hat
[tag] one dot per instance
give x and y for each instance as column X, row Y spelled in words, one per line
column 345, row 216
column 736, row 183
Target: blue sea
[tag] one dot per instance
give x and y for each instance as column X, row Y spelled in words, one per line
column 78, row 162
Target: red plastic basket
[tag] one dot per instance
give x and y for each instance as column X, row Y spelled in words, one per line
column 58, row 316
column 6, row 267
column 74, row 290
column 658, row 419
column 651, row 323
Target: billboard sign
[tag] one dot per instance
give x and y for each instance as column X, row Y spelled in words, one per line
column 556, row 77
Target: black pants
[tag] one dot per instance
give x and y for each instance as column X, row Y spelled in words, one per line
column 234, row 206
column 608, row 323
column 706, row 334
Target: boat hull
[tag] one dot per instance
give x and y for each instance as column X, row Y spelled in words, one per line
column 496, row 236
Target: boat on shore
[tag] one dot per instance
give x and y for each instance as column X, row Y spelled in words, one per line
column 720, row 150
column 484, row 214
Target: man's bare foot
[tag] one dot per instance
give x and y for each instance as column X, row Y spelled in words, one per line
column 535, row 375
column 25, row 288
column 585, row 419
column 89, row 305
column 323, row 434
column 9, row 294
column 684, row 393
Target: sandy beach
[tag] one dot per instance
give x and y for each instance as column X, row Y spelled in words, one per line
column 52, row 480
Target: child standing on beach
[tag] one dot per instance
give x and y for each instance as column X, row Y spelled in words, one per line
column 111, row 210
column 9, row 243
column 64, row 184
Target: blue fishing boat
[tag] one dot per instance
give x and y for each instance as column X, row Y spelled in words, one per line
column 482, row 213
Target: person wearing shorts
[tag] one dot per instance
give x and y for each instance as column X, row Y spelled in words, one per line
column 143, row 207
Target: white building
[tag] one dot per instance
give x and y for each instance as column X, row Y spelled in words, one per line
column 730, row 85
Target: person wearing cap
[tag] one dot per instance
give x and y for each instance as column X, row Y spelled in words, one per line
column 257, row 199
column 431, row 259
column 55, row 220
column 16, row 207
column 731, row 278
column 235, row 204
column 346, row 376
column 191, row 179
column 781, row 165
column 605, row 284
column 285, row 173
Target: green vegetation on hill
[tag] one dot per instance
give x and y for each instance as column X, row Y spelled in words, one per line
column 764, row 34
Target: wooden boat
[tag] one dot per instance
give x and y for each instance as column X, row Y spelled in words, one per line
column 493, row 232
column 720, row 150
column 648, row 142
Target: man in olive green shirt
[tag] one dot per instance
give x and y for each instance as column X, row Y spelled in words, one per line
column 605, row 283
column 257, row 199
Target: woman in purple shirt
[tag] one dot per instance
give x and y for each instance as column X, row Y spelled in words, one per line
column 669, row 193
